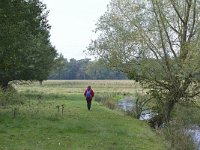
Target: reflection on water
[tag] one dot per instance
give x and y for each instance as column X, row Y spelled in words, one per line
column 147, row 114
column 194, row 132
column 127, row 104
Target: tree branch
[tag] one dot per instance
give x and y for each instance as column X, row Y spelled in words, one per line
column 192, row 31
column 177, row 12
column 166, row 32
column 162, row 39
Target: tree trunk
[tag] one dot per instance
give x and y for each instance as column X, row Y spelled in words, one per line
column 41, row 82
column 168, row 107
column 164, row 116
column 4, row 85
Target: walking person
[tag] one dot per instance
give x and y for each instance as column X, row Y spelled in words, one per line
column 89, row 94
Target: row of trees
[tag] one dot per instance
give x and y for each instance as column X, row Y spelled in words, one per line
column 82, row 69
column 25, row 49
column 155, row 42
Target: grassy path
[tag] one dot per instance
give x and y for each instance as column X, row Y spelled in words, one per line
column 39, row 126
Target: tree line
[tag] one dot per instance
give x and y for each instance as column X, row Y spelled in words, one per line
column 83, row 69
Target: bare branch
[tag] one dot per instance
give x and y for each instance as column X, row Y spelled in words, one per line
column 177, row 12
column 192, row 31
column 174, row 29
column 154, row 52
column 184, row 51
column 165, row 85
column 166, row 32
column 162, row 39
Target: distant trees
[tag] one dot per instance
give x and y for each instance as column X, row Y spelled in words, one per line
column 98, row 70
column 155, row 42
column 58, row 67
column 25, row 50
column 83, row 69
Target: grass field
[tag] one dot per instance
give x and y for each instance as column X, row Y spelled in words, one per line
column 36, row 123
column 78, row 86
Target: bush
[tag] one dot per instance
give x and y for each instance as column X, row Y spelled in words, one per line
column 141, row 104
column 187, row 114
column 100, row 99
column 106, row 100
column 178, row 138
column 176, row 132
column 110, row 104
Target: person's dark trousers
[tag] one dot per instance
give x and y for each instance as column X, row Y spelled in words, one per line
column 89, row 104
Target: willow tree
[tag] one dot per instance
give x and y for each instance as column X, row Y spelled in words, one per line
column 155, row 42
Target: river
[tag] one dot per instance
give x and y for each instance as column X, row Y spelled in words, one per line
column 127, row 104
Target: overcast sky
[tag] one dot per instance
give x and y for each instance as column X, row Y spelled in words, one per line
column 72, row 24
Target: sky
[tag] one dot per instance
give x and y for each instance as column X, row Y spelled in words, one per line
column 72, row 24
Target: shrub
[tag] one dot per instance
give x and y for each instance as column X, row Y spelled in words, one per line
column 106, row 100
column 178, row 138
column 141, row 104
column 110, row 104
column 100, row 98
column 176, row 132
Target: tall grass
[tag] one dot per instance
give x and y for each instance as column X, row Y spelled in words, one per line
column 78, row 86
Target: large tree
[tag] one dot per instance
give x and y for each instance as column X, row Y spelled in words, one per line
column 25, row 50
column 157, row 43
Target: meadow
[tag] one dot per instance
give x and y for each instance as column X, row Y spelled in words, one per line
column 54, row 116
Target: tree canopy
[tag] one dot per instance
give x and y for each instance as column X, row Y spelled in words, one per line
column 155, row 42
column 25, row 50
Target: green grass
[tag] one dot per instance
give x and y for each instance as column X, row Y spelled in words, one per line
column 39, row 126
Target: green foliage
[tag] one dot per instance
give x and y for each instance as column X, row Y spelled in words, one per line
column 177, row 138
column 191, row 109
column 185, row 116
column 98, row 70
column 83, row 69
column 25, row 49
column 155, row 43
column 107, row 100
column 141, row 103
column 60, row 64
